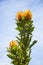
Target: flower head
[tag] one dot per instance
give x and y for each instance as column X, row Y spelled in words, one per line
column 19, row 15
column 28, row 14
column 13, row 43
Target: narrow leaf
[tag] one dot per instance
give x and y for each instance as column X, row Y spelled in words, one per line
column 33, row 43
column 10, row 56
column 18, row 38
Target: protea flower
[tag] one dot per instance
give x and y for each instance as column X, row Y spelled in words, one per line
column 28, row 14
column 13, row 43
column 19, row 15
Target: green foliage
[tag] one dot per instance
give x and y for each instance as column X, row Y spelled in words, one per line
column 20, row 54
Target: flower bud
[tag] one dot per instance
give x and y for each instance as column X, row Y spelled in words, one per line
column 19, row 15
column 13, row 43
column 28, row 14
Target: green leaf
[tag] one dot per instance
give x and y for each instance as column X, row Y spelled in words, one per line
column 29, row 21
column 18, row 38
column 18, row 41
column 8, row 50
column 32, row 28
column 13, row 62
column 14, row 48
column 18, row 23
column 30, row 38
column 10, row 56
column 33, row 43
column 19, row 28
column 21, row 24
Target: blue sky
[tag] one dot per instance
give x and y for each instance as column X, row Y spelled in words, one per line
column 8, row 10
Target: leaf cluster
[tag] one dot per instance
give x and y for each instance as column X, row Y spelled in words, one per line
column 20, row 54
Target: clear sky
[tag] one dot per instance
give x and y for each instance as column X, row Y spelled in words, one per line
column 8, row 10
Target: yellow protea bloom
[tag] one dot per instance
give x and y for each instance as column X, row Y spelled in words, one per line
column 13, row 43
column 28, row 14
column 19, row 15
